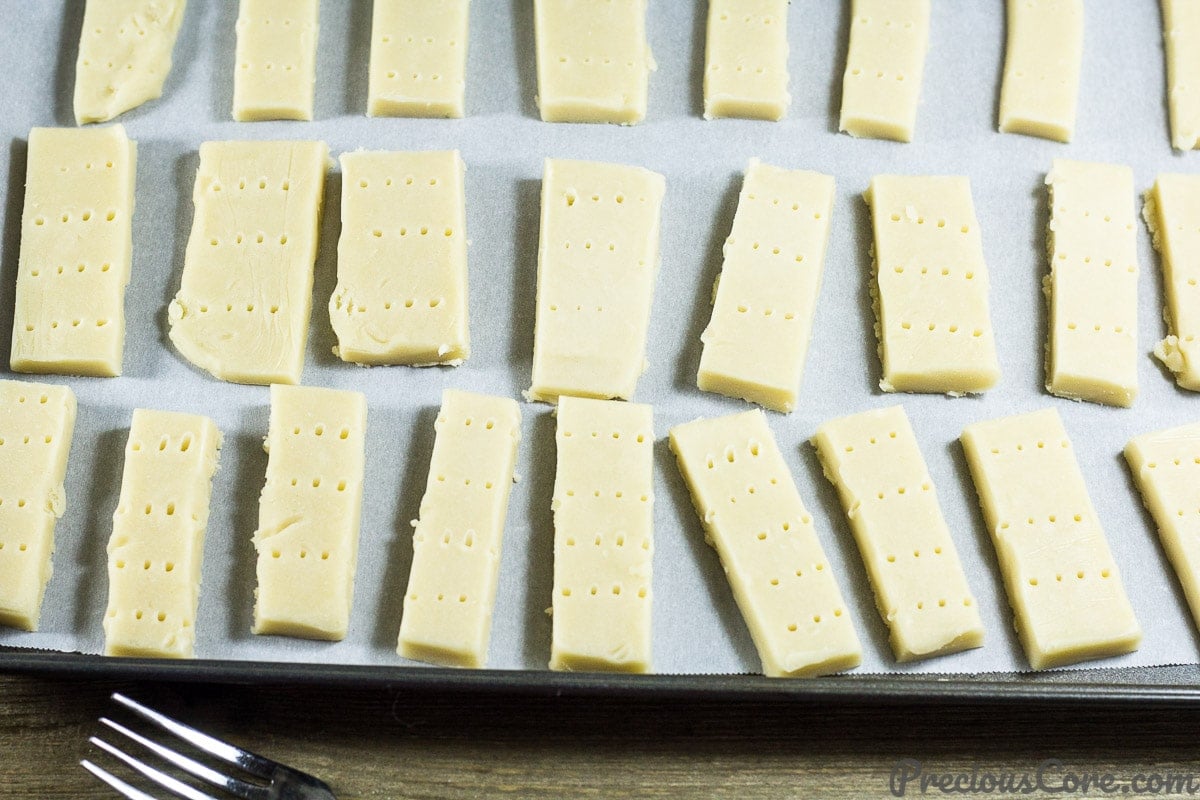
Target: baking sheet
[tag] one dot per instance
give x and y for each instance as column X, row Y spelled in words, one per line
column 1122, row 118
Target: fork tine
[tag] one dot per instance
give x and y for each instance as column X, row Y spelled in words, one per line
column 251, row 762
column 204, row 773
column 161, row 778
column 118, row 785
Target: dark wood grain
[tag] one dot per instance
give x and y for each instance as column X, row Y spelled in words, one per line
column 389, row 743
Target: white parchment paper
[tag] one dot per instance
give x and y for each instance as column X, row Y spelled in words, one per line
column 1122, row 118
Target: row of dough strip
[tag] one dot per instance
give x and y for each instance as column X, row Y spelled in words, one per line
column 244, row 303
column 1061, row 579
column 594, row 61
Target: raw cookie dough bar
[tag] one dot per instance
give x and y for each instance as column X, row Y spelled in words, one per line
column 1166, row 468
column 920, row 589
column 401, row 296
column 1181, row 34
column 36, row 425
column 603, row 536
column 456, row 545
column 746, row 55
column 244, row 302
column 1041, row 69
column 767, row 289
column 1061, row 580
column 884, row 66
column 276, row 60
column 307, row 537
column 1171, row 210
column 1092, row 287
column 157, row 543
column 418, row 58
column 593, row 61
column 597, row 260
column 754, row 517
column 931, row 287
column 76, row 246
column 124, row 58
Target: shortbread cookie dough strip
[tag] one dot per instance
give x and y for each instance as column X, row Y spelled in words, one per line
column 1171, row 210
column 593, row 60
column 1062, row 583
column 275, row 71
column 1166, row 469
column 931, row 286
column 37, row 422
column 245, row 298
column 1041, row 69
column 308, row 514
column 767, row 290
column 418, row 58
column 920, row 588
column 456, row 545
column 884, row 66
column 603, row 536
column 1092, row 287
column 753, row 516
column 1181, row 35
column 597, row 260
column 401, row 296
column 76, row 249
column 157, row 543
column 746, row 55
column 124, row 57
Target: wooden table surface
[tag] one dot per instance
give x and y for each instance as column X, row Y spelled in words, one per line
column 390, row 743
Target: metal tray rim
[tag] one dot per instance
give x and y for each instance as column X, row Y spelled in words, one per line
column 1082, row 687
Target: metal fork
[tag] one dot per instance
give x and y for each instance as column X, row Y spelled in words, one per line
column 280, row 782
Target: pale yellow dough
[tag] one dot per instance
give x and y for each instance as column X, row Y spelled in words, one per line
column 922, row 593
column 124, row 58
column 597, row 260
column 1171, row 210
column 746, row 55
column 456, row 545
column 884, row 67
column 1181, row 36
column 76, row 250
column 1041, row 69
column 931, row 287
column 603, row 536
column 593, row 61
column 1092, row 353
column 245, row 298
column 418, row 58
column 275, row 73
column 308, row 514
column 1166, row 469
column 1062, row 583
column 768, row 287
column 754, row 517
column 37, row 422
column 401, row 296
column 157, row 544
